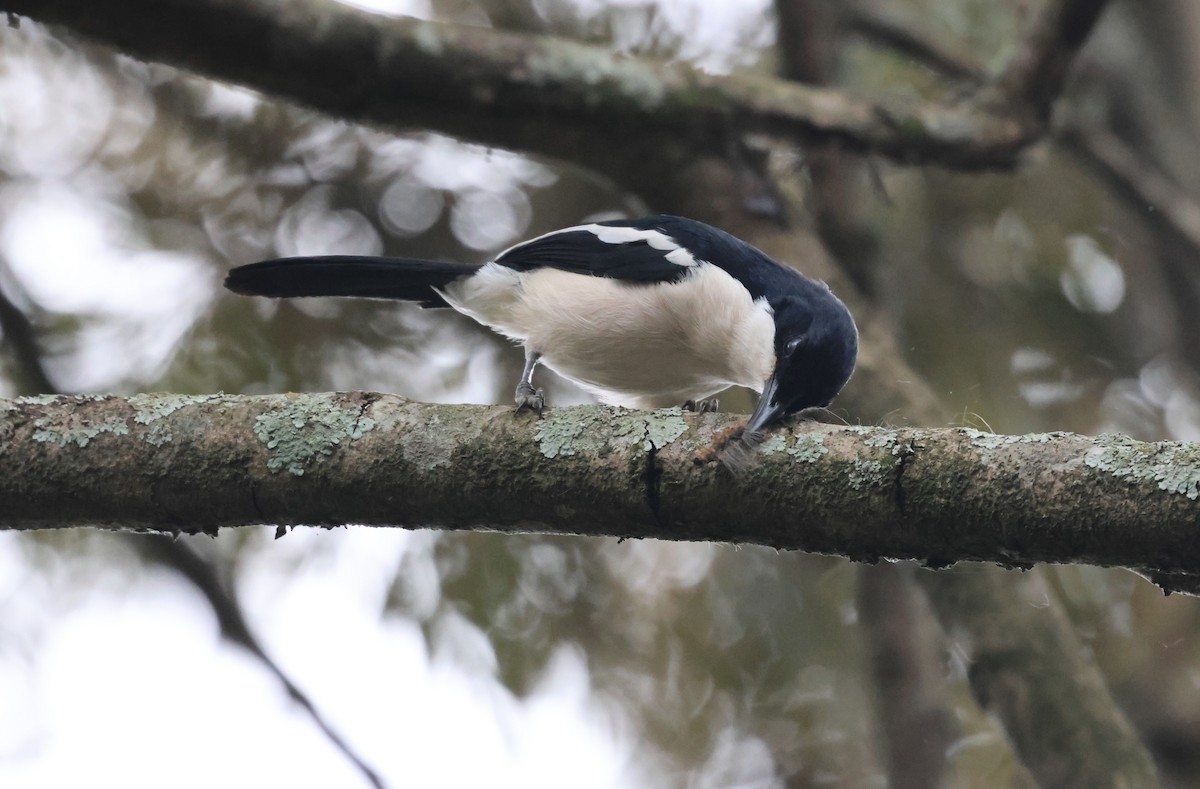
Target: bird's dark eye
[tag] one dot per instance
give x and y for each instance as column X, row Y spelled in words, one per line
column 793, row 345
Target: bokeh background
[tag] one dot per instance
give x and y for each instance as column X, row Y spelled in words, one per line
column 1054, row 297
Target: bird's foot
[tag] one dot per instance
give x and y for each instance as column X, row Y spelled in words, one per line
column 709, row 406
column 528, row 397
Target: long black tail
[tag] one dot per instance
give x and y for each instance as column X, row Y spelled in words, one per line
column 344, row 275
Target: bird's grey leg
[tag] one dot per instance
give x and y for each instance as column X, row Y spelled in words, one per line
column 527, row 396
column 709, row 406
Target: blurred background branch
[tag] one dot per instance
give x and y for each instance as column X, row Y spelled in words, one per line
column 20, row 338
column 1035, row 77
column 410, row 73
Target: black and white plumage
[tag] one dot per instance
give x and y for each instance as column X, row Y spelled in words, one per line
column 644, row 313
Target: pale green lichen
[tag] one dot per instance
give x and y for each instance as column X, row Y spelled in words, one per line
column 982, row 440
column 306, row 430
column 1174, row 468
column 809, row 447
column 559, row 61
column 73, row 428
column 775, row 444
column 566, row 431
column 43, row 399
column 148, row 409
column 663, row 427
column 868, row 473
column 559, row 431
column 875, row 472
column 889, row 440
column 881, row 439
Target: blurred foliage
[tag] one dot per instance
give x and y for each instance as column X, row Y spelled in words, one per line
column 1035, row 300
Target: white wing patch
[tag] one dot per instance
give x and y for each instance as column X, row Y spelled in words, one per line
column 655, row 239
column 681, row 257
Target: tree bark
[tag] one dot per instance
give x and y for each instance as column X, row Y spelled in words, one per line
column 1027, row 667
column 180, row 462
column 503, row 88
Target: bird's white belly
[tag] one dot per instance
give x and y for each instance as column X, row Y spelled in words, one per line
column 643, row 345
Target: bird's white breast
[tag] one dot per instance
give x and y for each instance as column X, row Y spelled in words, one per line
column 644, row 345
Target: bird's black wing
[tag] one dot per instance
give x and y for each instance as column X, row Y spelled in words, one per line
column 638, row 250
column 654, row 249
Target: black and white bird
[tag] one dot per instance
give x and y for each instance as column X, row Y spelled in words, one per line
column 643, row 313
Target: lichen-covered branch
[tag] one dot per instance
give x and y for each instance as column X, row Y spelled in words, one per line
column 528, row 92
column 200, row 462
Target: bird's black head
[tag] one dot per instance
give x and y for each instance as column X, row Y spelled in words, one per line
column 816, row 345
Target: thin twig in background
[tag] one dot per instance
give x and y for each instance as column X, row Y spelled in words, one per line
column 204, row 577
column 887, row 31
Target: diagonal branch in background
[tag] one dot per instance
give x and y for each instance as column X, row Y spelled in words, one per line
column 526, row 92
column 1035, row 77
column 201, row 573
column 1161, row 203
column 183, row 462
column 887, row 31
column 1051, row 683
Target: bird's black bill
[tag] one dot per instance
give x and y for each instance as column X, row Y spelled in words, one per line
column 768, row 409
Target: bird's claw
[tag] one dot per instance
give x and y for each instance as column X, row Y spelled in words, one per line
column 528, row 397
column 709, row 406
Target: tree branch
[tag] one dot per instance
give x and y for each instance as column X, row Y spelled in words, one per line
column 526, row 92
column 179, row 462
column 884, row 30
column 1161, row 203
column 906, row 648
column 1034, row 78
column 1028, row 668
column 20, row 335
column 201, row 573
